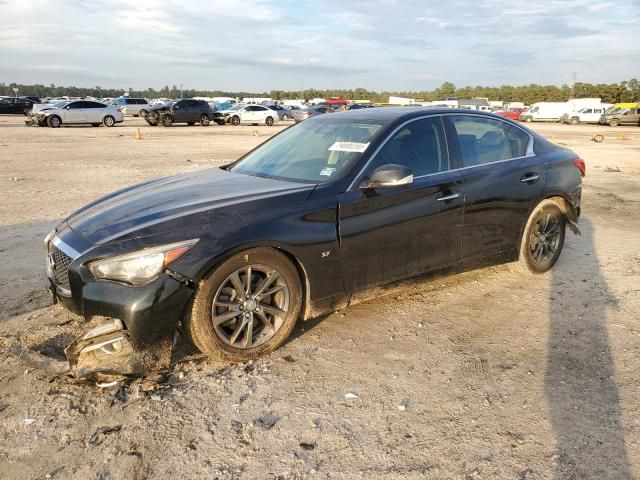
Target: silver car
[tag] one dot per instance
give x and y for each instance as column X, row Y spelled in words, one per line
column 303, row 114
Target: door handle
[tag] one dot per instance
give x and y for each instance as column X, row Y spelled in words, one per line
column 448, row 197
column 530, row 177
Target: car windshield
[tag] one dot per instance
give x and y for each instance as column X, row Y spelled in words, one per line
column 310, row 152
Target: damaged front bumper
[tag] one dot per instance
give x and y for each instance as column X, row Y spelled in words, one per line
column 36, row 120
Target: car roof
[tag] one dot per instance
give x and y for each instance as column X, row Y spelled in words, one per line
column 392, row 114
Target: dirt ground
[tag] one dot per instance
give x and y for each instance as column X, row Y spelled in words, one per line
column 487, row 374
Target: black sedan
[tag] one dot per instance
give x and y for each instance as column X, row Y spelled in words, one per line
column 237, row 255
column 15, row 105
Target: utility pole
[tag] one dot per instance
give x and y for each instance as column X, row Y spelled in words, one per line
column 180, row 90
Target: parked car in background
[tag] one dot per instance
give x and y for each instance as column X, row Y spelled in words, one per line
column 584, row 115
column 511, row 113
column 623, row 116
column 187, row 111
column 309, row 112
column 247, row 114
column 284, row 113
column 15, row 105
column 76, row 112
column 298, row 226
column 133, row 106
column 32, row 98
column 221, row 106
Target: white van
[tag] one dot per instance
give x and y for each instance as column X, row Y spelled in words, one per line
column 132, row 106
column 545, row 112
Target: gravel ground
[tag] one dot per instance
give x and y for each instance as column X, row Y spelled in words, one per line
column 487, row 374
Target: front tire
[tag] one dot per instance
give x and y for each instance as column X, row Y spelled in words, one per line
column 235, row 120
column 142, row 113
column 542, row 238
column 55, row 121
column 575, row 121
column 167, row 121
column 204, row 120
column 614, row 122
column 247, row 307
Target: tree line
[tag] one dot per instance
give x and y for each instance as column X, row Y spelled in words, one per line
column 626, row 91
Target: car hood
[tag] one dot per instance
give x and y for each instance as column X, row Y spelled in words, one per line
column 171, row 203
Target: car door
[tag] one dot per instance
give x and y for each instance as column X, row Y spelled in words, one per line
column 180, row 111
column 392, row 233
column 632, row 117
column 502, row 180
column 94, row 112
column 250, row 114
column 74, row 112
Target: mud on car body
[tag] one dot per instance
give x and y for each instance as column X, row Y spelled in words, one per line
column 300, row 225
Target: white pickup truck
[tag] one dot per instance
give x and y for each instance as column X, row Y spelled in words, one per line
column 585, row 115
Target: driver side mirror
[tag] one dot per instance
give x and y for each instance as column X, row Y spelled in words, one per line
column 389, row 176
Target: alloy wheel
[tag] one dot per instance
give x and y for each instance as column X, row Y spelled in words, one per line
column 545, row 239
column 250, row 306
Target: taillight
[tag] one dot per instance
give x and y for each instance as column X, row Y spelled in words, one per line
column 580, row 165
column 119, row 109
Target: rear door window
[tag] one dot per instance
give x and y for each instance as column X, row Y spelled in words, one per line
column 485, row 140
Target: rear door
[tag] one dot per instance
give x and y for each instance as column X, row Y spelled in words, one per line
column 392, row 233
column 502, row 180
column 94, row 112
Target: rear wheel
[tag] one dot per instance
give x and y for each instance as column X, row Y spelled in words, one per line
column 543, row 238
column 109, row 121
column 269, row 121
column 204, row 120
column 55, row 121
column 235, row 120
column 167, row 121
column 247, row 307
column 285, row 117
column 142, row 112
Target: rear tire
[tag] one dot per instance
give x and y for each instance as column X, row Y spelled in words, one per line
column 225, row 340
column 167, row 121
column 542, row 238
column 54, row 121
column 285, row 117
column 109, row 121
column 142, row 112
column 204, row 120
column 269, row 122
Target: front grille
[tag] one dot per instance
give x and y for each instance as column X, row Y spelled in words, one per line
column 60, row 267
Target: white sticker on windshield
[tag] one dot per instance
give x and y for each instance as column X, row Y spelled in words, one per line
column 327, row 172
column 349, row 147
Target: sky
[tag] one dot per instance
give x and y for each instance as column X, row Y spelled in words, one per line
column 260, row 45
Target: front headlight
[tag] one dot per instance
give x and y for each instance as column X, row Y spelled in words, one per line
column 139, row 267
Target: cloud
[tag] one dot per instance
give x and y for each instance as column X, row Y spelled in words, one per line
column 284, row 44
